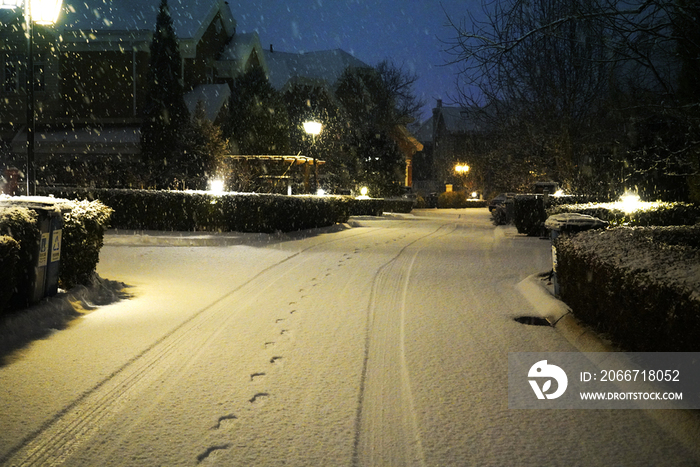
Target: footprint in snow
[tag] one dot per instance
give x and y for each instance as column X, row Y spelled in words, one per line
column 256, row 375
column 223, row 421
column 211, row 449
column 258, row 397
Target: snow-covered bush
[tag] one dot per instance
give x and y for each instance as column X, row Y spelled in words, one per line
column 9, row 254
column 640, row 285
column 529, row 214
column 459, row 200
column 645, row 214
column 21, row 224
column 84, row 224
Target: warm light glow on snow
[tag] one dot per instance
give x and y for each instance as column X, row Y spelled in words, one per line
column 630, row 202
column 216, row 186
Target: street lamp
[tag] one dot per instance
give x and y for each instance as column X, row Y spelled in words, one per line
column 313, row 128
column 462, row 168
column 43, row 12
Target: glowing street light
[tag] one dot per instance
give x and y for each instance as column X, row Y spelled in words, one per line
column 43, row 12
column 313, row 128
column 462, row 168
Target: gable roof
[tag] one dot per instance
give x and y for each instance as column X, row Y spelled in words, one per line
column 235, row 57
column 213, row 96
column 463, row 119
column 189, row 16
column 324, row 66
column 126, row 24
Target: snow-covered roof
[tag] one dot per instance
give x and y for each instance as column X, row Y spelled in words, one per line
column 236, row 55
column 110, row 140
column 214, row 97
column 424, row 133
column 190, row 17
column 323, row 65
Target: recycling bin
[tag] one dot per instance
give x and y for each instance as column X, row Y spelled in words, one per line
column 564, row 223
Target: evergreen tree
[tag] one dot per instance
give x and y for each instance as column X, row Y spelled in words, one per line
column 165, row 114
column 258, row 122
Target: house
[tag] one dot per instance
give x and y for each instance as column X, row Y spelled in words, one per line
column 451, row 136
column 91, row 70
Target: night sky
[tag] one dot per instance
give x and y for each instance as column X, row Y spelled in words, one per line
column 407, row 32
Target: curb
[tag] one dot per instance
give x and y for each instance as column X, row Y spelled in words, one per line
column 683, row 425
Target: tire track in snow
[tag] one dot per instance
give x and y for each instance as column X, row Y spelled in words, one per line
column 386, row 427
column 61, row 436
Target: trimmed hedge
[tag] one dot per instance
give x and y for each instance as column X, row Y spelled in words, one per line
column 84, row 224
column 9, row 255
column 639, row 285
column 195, row 211
column 659, row 213
column 529, row 214
column 458, row 200
column 21, row 224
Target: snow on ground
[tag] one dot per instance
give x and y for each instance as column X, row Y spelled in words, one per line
column 381, row 344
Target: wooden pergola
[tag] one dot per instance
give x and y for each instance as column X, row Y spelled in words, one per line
column 289, row 160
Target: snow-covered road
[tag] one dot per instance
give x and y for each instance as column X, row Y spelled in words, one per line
column 385, row 344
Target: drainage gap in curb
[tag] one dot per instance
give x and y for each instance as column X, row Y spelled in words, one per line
column 532, row 320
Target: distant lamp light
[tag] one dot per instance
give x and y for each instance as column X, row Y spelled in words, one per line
column 558, row 193
column 320, row 192
column 216, row 186
column 363, row 193
column 312, row 128
column 44, row 11
column 630, row 202
column 474, row 194
column 462, row 168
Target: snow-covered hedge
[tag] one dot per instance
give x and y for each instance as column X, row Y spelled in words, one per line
column 21, row 225
column 239, row 212
column 84, row 224
column 459, row 200
column 645, row 214
column 9, row 254
column 640, row 285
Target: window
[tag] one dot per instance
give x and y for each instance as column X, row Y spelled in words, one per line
column 14, row 76
column 10, row 73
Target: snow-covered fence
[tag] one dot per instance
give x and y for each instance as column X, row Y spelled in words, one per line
column 640, row 285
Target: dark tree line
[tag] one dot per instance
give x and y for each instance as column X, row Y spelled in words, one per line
column 599, row 94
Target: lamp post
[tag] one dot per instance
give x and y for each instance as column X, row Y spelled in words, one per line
column 43, row 12
column 313, row 128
